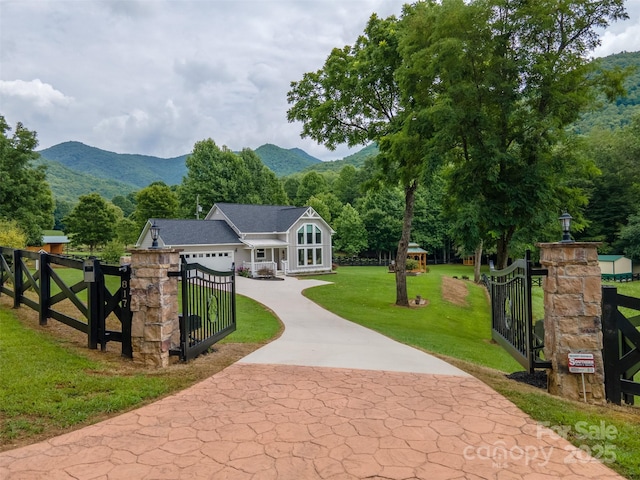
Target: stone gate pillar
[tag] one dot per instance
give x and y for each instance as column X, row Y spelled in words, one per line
column 572, row 320
column 155, row 327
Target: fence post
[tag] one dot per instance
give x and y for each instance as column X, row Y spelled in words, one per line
column 93, row 302
column 611, row 344
column 572, row 317
column 125, row 282
column 155, row 328
column 17, row 276
column 45, row 288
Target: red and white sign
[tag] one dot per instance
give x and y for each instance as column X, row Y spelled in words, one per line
column 582, row 363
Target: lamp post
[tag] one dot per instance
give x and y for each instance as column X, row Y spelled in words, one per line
column 155, row 233
column 565, row 221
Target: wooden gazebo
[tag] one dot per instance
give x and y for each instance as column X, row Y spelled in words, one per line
column 414, row 252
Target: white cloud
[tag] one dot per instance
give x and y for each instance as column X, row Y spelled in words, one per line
column 35, row 92
column 155, row 76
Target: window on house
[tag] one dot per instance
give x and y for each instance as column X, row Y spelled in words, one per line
column 309, row 256
column 309, row 234
column 260, row 253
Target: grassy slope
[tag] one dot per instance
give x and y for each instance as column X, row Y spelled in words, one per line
column 50, row 383
column 366, row 295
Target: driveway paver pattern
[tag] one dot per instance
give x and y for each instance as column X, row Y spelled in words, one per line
column 292, row 423
column 316, row 416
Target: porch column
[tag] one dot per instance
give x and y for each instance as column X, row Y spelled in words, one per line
column 155, row 327
column 573, row 317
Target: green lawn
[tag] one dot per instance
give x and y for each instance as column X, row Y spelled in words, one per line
column 366, row 295
column 47, row 385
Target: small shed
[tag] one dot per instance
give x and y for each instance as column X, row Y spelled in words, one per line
column 414, row 252
column 53, row 242
column 615, row 265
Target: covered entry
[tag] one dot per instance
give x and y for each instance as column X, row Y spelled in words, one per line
column 270, row 254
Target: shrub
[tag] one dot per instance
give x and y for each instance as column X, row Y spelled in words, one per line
column 112, row 252
column 412, row 264
column 243, row 272
column 265, row 272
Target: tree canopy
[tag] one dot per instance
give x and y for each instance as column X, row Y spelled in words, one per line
column 92, row 221
column 25, row 195
column 499, row 83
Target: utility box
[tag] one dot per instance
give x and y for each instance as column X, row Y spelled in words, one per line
column 89, row 271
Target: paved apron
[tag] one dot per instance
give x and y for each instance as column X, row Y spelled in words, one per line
column 327, row 400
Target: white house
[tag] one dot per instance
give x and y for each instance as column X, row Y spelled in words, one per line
column 282, row 239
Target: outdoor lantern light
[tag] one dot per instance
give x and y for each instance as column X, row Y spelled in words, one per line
column 565, row 221
column 155, row 232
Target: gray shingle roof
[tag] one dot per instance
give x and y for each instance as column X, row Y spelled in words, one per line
column 195, row 232
column 261, row 218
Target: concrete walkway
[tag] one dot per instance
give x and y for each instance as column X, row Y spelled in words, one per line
column 327, row 400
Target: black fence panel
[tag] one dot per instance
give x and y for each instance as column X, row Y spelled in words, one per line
column 620, row 346
column 33, row 287
column 208, row 309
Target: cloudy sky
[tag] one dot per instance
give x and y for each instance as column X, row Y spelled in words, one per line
column 154, row 76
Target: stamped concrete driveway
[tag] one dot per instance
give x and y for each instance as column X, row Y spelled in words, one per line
column 327, row 400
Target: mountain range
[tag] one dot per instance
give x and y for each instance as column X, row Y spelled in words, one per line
column 75, row 169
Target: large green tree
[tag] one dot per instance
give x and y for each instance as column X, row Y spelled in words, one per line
column 354, row 99
column 264, row 186
column 214, row 174
column 92, row 221
column 613, row 196
column 312, row 184
column 381, row 213
column 351, row 236
column 25, row 195
column 499, row 82
column 155, row 201
column 630, row 238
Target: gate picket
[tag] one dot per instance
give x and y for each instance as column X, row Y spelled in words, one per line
column 511, row 312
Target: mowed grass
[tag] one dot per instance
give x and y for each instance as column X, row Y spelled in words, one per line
column 50, row 384
column 366, row 295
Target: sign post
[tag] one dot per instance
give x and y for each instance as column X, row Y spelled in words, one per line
column 582, row 363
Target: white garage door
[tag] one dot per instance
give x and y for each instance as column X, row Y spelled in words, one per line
column 220, row 261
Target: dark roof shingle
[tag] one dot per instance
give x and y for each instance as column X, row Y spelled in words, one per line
column 261, row 218
column 195, row 232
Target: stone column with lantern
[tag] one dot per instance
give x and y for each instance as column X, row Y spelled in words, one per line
column 572, row 322
column 155, row 328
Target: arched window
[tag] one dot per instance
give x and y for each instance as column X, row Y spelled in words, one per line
column 309, row 234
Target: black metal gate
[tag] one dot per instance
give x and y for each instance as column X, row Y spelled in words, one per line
column 43, row 289
column 511, row 313
column 620, row 346
column 208, row 308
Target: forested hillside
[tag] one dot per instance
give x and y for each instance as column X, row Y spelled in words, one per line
column 138, row 170
column 75, row 169
column 68, row 184
column 357, row 160
column 619, row 113
column 285, row 162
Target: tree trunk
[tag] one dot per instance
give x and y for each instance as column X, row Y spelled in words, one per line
column 503, row 248
column 402, row 297
column 477, row 263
